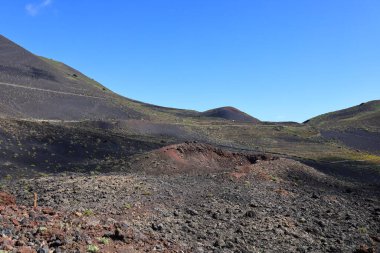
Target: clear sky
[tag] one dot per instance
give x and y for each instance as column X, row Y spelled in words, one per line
column 274, row 59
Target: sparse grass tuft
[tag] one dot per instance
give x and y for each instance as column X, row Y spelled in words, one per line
column 362, row 230
column 127, row 206
column 88, row 212
column 92, row 248
column 104, row 240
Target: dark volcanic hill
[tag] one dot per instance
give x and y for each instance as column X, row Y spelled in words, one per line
column 365, row 115
column 35, row 87
column 357, row 127
column 230, row 113
column 41, row 88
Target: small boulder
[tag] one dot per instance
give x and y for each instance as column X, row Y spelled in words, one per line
column 192, row 212
column 157, row 227
column 364, row 249
column 26, row 249
column 250, row 214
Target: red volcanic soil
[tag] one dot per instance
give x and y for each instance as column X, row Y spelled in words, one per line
column 193, row 157
column 6, row 199
column 42, row 229
column 230, row 113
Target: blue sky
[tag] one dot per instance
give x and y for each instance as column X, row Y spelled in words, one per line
column 274, row 59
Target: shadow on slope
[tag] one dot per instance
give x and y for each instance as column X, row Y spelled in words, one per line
column 356, row 138
column 354, row 171
column 29, row 148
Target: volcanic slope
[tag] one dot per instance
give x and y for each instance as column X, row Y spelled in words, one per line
column 41, row 88
column 357, row 127
column 365, row 115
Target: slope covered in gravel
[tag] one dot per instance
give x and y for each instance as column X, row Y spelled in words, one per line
column 269, row 206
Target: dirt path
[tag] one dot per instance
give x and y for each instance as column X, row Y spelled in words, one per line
column 50, row 91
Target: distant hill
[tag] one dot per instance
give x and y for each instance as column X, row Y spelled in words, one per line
column 230, row 113
column 365, row 116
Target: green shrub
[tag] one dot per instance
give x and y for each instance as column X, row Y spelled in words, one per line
column 92, row 248
column 88, row 212
column 104, row 240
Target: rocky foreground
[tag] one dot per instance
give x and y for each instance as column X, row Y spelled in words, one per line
column 270, row 206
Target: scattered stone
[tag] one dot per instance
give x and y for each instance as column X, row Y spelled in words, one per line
column 43, row 250
column 191, row 211
column 157, row 227
column 250, row 214
column 25, row 249
column 364, row 249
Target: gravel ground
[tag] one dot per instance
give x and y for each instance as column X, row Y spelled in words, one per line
column 270, row 206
